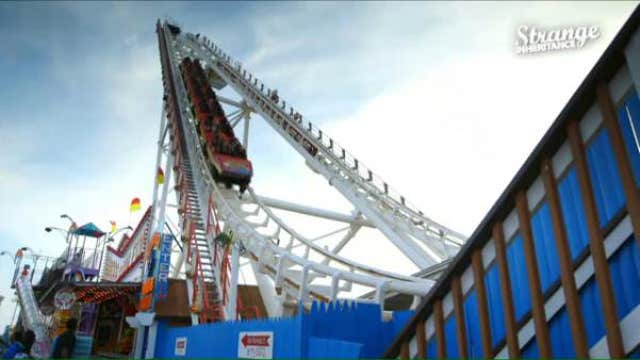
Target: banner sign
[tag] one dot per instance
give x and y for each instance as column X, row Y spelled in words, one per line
column 255, row 345
column 163, row 263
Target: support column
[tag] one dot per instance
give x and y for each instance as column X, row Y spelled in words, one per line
column 505, row 289
column 596, row 245
column 245, row 136
column 272, row 301
column 438, row 318
column 483, row 308
column 456, row 291
column 233, row 286
column 572, row 301
column 421, row 339
column 610, row 119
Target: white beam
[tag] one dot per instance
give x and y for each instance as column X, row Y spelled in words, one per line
column 348, row 236
column 314, row 211
column 235, row 120
column 233, row 286
column 235, row 103
column 270, row 298
column 245, row 142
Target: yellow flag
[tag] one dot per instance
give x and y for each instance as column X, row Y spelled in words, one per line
column 135, row 205
column 160, row 176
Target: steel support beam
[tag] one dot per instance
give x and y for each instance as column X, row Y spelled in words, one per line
column 239, row 104
column 314, row 211
column 245, row 137
column 353, row 230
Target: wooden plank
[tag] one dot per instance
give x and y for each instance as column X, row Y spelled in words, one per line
column 456, row 291
column 438, row 318
column 610, row 120
column 421, row 339
column 596, row 245
column 533, row 275
column 483, row 308
column 505, row 289
column 404, row 350
column 572, row 300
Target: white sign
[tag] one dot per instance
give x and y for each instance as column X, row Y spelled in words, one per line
column 64, row 299
column 181, row 347
column 255, row 345
column 533, row 40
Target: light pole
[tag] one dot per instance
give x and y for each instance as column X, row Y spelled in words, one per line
column 68, row 233
column 110, row 238
column 13, row 259
column 65, row 216
column 59, row 230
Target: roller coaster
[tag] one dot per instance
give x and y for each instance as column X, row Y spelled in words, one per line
column 219, row 223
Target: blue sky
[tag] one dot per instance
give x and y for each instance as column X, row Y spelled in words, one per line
column 429, row 95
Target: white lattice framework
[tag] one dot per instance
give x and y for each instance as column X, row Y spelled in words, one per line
column 285, row 276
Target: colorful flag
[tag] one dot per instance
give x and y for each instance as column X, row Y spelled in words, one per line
column 113, row 226
column 160, row 176
column 135, row 204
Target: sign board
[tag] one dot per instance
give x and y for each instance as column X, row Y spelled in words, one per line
column 255, row 345
column 164, row 262
column 64, row 299
column 181, row 346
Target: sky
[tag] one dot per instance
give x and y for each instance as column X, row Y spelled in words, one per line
column 431, row 96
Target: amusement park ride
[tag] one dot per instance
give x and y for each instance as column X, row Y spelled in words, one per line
column 211, row 177
column 221, row 218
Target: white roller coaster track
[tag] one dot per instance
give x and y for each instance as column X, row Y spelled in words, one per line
column 269, row 242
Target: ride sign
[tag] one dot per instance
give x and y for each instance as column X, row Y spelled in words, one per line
column 64, row 299
column 164, row 262
column 255, row 345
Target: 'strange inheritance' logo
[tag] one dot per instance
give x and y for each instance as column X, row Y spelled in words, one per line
column 532, row 40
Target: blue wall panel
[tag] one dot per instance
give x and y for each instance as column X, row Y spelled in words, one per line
column 530, row 351
column 544, row 243
column 321, row 348
column 635, row 354
column 472, row 325
column 560, row 334
column 573, row 213
column 494, row 302
column 625, row 276
column 518, row 277
column 605, row 178
column 432, row 348
column 630, row 125
column 592, row 311
column 451, row 337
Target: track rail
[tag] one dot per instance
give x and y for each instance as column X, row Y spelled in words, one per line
column 393, row 214
column 291, row 272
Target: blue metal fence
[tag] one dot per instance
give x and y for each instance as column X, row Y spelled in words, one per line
column 335, row 330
